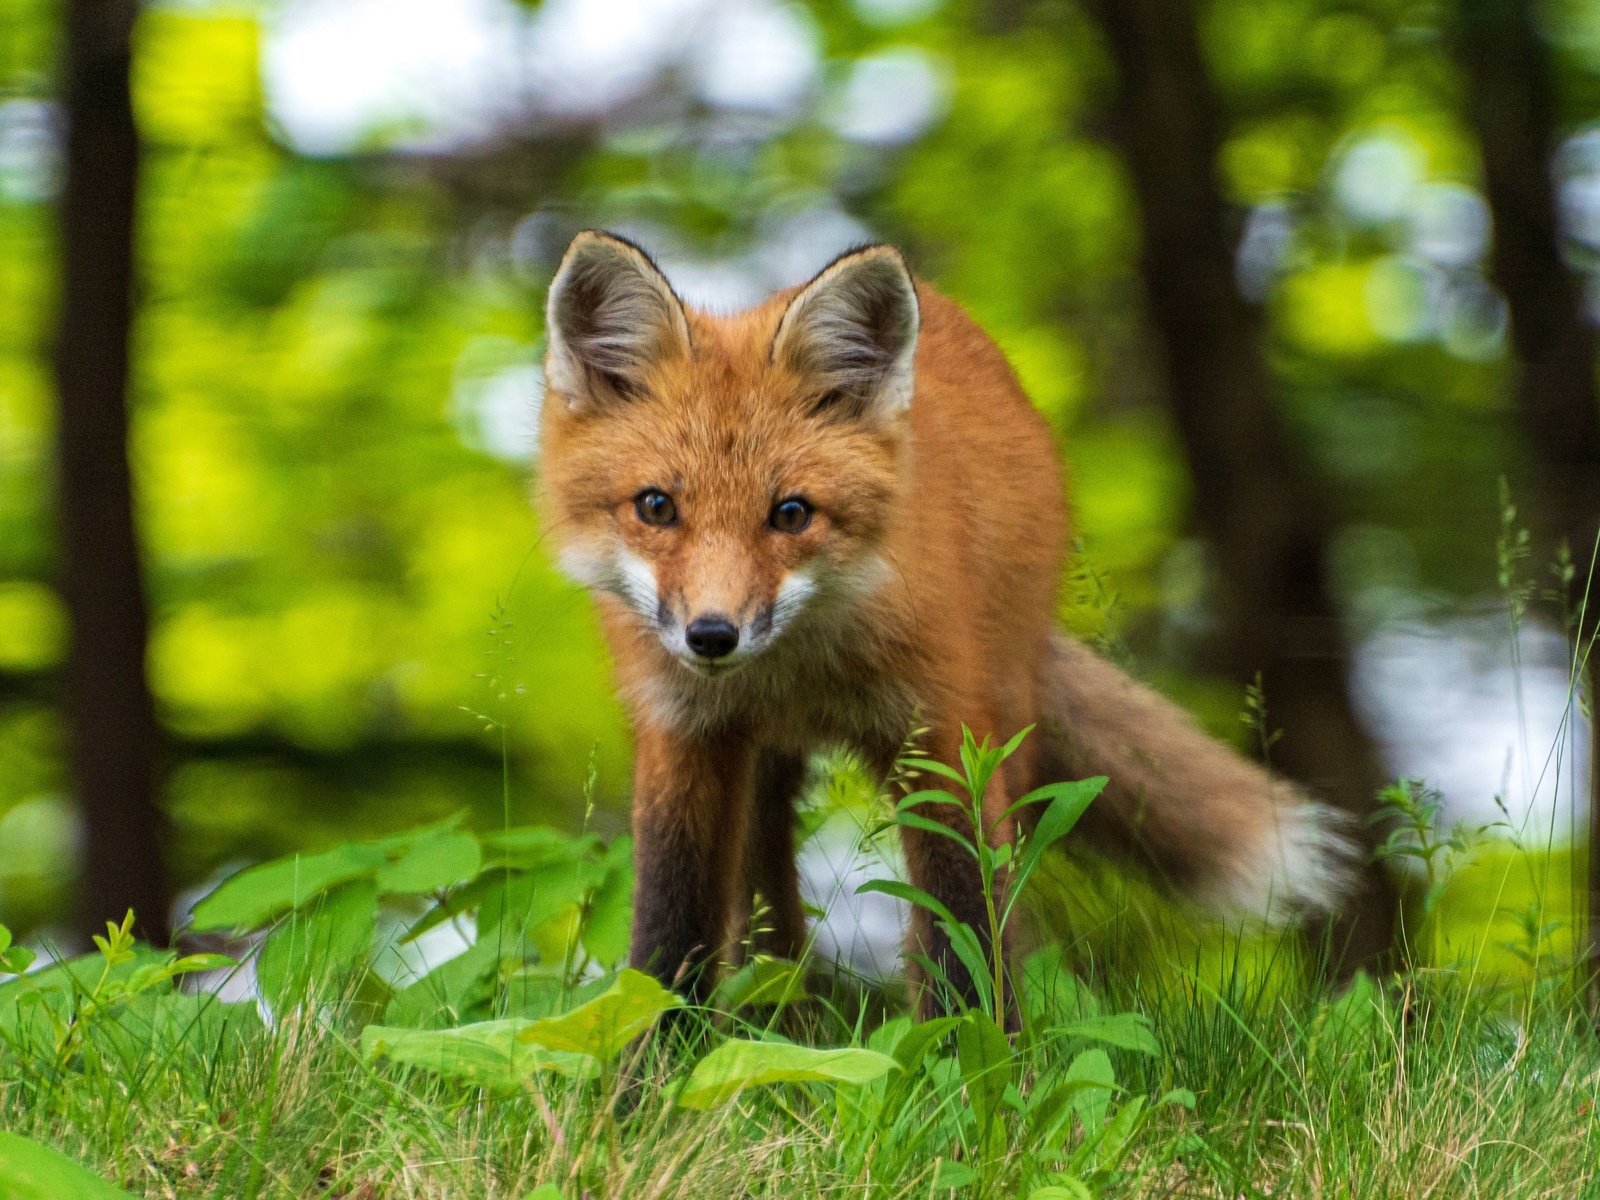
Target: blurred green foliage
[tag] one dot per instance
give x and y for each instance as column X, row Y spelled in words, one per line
column 353, row 617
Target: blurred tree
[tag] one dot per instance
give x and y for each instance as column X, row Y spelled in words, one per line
column 1254, row 498
column 110, row 715
column 1513, row 106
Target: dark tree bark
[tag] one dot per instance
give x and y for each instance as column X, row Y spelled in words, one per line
column 109, row 714
column 1513, row 106
column 1253, row 496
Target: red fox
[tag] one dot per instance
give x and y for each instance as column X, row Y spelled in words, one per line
column 809, row 524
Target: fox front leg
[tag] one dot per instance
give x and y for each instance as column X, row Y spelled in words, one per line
column 770, row 853
column 690, row 806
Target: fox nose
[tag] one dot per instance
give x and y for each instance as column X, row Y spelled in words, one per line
column 712, row 636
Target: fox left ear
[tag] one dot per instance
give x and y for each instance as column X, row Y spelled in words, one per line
column 611, row 315
column 853, row 329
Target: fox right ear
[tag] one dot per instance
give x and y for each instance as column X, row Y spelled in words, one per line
column 853, row 331
column 610, row 315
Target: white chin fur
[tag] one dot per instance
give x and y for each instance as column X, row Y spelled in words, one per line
column 1304, row 863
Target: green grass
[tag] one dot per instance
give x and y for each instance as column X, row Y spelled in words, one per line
column 1429, row 1085
column 1158, row 1054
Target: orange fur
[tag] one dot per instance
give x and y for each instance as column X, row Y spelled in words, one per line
column 925, row 582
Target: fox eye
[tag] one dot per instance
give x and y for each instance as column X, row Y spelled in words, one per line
column 790, row 515
column 655, row 507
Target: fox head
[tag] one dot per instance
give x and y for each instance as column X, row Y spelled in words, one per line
column 721, row 477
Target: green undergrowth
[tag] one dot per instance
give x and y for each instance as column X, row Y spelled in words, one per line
column 1144, row 1055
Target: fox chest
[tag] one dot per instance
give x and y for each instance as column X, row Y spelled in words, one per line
column 795, row 702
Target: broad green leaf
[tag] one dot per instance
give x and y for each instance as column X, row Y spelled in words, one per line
column 988, row 1064
column 952, row 1175
column 253, row 897
column 548, row 1192
column 1063, row 1189
column 486, row 1054
column 531, row 898
column 1351, row 1019
column 1051, row 1106
column 606, row 1024
column 967, row 948
column 202, row 962
column 30, row 1171
column 1092, row 1068
column 913, row 1047
column 1128, row 1031
column 736, row 1065
column 206, row 1024
column 17, row 960
column 763, row 980
column 1118, row 1135
column 534, row 847
column 431, row 864
column 1051, row 991
column 453, row 990
column 312, row 946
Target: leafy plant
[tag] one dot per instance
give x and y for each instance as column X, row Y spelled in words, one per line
column 542, row 911
column 1409, row 809
column 580, row 1044
column 78, row 997
column 989, row 1063
column 1004, row 869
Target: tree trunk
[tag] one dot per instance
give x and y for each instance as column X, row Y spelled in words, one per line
column 1513, row 109
column 109, row 714
column 1253, row 499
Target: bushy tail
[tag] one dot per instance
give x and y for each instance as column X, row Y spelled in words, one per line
column 1206, row 819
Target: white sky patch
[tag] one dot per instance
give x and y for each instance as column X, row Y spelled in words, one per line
column 29, row 155
column 591, row 54
column 425, row 72
column 402, row 963
column 891, row 98
column 336, row 71
column 758, row 57
column 1450, row 707
column 864, row 933
column 497, row 395
column 508, row 412
column 1376, row 177
column 1450, row 224
column 794, row 245
column 800, row 244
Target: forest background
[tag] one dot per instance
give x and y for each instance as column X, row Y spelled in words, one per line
column 1305, row 288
